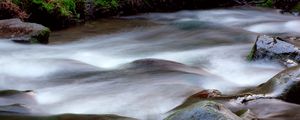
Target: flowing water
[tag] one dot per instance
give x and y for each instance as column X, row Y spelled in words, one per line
column 142, row 66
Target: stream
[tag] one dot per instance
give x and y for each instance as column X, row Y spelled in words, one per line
column 145, row 65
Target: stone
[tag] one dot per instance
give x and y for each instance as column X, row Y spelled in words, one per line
column 210, row 93
column 284, row 51
column 203, row 110
column 285, row 85
column 23, row 32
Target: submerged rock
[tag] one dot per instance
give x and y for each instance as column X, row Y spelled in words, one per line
column 12, row 92
column 285, row 85
column 247, row 114
column 17, row 97
column 159, row 65
column 204, row 110
column 207, row 94
column 266, row 109
column 14, row 109
column 275, row 48
column 23, row 32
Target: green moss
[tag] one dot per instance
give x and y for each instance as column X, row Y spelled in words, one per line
column 107, row 3
column 43, row 4
column 268, row 3
column 9, row 92
column 65, row 7
column 17, row 2
column 40, row 37
column 241, row 112
column 297, row 7
column 250, row 56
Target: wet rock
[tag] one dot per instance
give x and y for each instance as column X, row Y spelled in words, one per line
column 23, row 32
column 285, row 85
column 194, row 25
column 14, row 109
column 247, row 115
column 12, row 92
column 207, row 94
column 274, row 48
column 148, row 65
column 203, row 110
column 14, row 96
column 266, row 109
column 65, row 117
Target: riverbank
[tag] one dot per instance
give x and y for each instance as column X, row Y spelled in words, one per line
column 59, row 14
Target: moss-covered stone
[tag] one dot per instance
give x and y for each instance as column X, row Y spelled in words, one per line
column 24, row 32
column 40, row 36
column 251, row 54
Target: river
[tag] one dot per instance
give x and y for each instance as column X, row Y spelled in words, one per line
column 145, row 65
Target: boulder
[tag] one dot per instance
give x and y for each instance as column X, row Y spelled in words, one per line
column 285, row 85
column 286, row 51
column 23, row 32
column 203, row 110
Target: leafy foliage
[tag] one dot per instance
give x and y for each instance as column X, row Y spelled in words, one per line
column 107, row 3
column 267, row 3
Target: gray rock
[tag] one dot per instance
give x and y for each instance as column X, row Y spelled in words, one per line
column 23, row 32
column 14, row 109
column 203, row 110
column 285, row 85
column 275, row 48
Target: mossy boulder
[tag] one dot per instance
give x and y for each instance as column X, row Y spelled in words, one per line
column 203, row 110
column 23, row 32
column 283, row 50
column 285, row 85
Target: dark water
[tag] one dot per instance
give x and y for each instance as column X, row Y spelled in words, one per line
column 142, row 66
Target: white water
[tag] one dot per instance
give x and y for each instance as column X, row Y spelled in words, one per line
column 90, row 76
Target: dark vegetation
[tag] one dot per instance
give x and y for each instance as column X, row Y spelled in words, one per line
column 58, row 14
